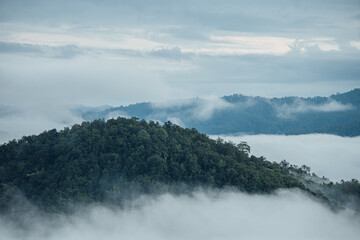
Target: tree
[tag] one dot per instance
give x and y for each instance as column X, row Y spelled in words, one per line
column 284, row 164
column 244, row 147
column 305, row 169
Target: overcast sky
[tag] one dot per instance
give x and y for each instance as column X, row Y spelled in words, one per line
column 120, row 52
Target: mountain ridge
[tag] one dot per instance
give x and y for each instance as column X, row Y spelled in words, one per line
column 337, row 114
column 105, row 161
column 114, row 161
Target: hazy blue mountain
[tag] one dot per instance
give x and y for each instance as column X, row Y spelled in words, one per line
column 337, row 114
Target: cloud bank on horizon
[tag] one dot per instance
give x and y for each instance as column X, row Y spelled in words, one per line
column 121, row 52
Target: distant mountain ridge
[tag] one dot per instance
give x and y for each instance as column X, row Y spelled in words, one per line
column 337, row 114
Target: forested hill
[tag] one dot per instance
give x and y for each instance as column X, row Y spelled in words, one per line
column 108, row 161
column 337, row 114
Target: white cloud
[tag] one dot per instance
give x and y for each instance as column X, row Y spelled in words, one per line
column 176, row 121
column 118, row 53
column 35, row 120
column 205, row 109
column 238, row 44
column 116, row 114
column 288, row 214
column 355, row 44
column 136, row 62
column 149, row 39
column 331, row 156
column 86, row 80
column 299, row 106
column 108, row 38
column 323, row 44
column 198, row 109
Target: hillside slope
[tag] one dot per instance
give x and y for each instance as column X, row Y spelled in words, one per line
column 108, row 161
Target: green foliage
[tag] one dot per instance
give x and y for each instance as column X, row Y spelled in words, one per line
column 104, row 161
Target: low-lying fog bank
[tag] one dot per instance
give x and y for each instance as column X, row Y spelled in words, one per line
column 288, row 214
column 331, row 156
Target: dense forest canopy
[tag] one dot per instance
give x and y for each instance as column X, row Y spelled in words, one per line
column 106, row 161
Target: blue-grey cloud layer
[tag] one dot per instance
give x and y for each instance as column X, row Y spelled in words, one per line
column 66, row 51
column 118, row 52
column 260, row 16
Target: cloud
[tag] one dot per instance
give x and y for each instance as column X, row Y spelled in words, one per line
column 35, row 120
column 239, row 45
column 15, row 47
column 174, row 53
column 299, row 106
column 121, row 52
column 323, row 44
column 355, row 44
column 116, row 114
column 85, row 80
column 7, row 110
column 197, row 109
column 279, row 17
column 206, row 108
column 68, row 51
column 176, row 121
column 118, row 53
column 288, row 214
column 331, row 156
column 309, row 73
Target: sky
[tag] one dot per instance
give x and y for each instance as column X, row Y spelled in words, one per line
column 60, row 53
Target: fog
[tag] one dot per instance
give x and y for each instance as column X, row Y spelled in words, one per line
column 299, row 106
column 287, row 214
column 34, row 120
column 196, row 108
column 331, row 156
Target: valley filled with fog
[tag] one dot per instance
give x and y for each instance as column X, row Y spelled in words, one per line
column 109, row 111
column 217, row 214
column 206, row 214
column 331, row 156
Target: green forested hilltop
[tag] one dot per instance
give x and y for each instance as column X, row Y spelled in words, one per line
column 103, row 161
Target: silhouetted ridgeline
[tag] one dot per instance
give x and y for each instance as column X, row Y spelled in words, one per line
column 107, row 161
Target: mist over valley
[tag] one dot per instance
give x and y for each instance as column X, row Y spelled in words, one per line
column 179, row 119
